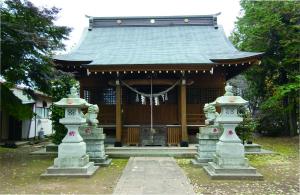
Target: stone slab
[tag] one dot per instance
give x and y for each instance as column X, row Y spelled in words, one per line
column 189, row 152
column 198, row 163
column 52, row 148
column 153, row 175
column 252, row 147
column 239, row 174
column 104, row 162
column 129, row 151
column 85, row 171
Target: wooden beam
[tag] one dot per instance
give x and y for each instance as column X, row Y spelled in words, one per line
column 148, row 82
column 118, row 112
column 148, row 68
column 184, row 135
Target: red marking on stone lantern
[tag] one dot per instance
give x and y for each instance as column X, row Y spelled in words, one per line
column 215, row 130
column 72, row 133
column 232, row 99
column 230, row 132
column 69, row 101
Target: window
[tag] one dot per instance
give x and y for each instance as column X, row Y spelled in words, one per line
column 105, row 96
column 42, row 112
column 109, row 96
column 202, row 95
column 87, row 95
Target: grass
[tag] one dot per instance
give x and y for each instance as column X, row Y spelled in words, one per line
column 20, row 173
column 280, row 171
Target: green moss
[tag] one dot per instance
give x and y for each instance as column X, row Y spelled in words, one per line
column 286, row 146
column 7, row 150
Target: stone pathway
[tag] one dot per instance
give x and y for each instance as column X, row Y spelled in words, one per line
column 153, row 175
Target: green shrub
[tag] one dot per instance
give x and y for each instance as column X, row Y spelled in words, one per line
column 245, row 129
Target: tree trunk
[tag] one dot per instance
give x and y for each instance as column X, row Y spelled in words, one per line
column 286, row 126
column 292, row 116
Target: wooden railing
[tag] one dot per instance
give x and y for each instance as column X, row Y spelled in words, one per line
column 174, row 135
column 133, row 135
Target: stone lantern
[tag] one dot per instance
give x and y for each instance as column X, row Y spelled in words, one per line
column 72, row 159
column 229, row 161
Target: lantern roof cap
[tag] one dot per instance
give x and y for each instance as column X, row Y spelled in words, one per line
column 229, row 98
column 73, row 100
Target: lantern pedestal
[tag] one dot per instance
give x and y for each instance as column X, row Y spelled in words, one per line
column 94, row 139
column 229, row 161
column 72, row 159
column 207, row 139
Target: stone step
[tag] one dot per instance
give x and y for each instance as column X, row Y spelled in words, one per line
column 232, row 174
column 239, row 170
column 151, row 151
column 85, row 171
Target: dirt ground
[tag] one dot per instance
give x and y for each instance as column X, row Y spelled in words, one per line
column 20, row 174
column 280, row 171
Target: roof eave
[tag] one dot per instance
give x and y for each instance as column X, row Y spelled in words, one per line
column 241, row 59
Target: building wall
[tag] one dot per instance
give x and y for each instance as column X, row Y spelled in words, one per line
column 210, row 86
column 4, row 126
column 31, row 128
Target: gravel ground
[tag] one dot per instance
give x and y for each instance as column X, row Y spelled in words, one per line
column 280, row 171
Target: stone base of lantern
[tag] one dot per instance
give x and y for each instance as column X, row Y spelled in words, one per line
column 207, row 139
column 86, row 171
column 105, row 161
column 94, row 139
column 217, row 172
column 72, row 160
column 229, row 162
column 71, row 166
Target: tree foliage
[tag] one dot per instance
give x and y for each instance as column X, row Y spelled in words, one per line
column 28, row 39
column 15, row 108
column 272, row 27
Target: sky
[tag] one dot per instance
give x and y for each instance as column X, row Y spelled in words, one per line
column 73, row 12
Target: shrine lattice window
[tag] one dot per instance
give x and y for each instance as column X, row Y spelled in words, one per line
column 106, row 96
column 87, row 95
column 203, row 95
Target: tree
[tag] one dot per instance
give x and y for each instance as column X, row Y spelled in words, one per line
column 272, row 27
column 28, row 40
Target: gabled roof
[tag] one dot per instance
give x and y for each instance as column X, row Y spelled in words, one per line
column 154, row 40
column 18, row 91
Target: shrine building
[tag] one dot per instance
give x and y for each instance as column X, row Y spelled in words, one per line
column 178, row 62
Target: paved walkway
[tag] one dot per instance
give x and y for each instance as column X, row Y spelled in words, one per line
column 153, row 175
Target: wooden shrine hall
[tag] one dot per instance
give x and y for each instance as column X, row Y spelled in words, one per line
column 151, row 76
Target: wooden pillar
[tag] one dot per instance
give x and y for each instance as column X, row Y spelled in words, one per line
column 179, row 105
column 118, row 142
column 184, row 135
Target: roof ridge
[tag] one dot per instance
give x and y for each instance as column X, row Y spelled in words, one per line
column 121, row 21
column 149, row 17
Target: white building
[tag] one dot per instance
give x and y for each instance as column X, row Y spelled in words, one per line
column 13, row 129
